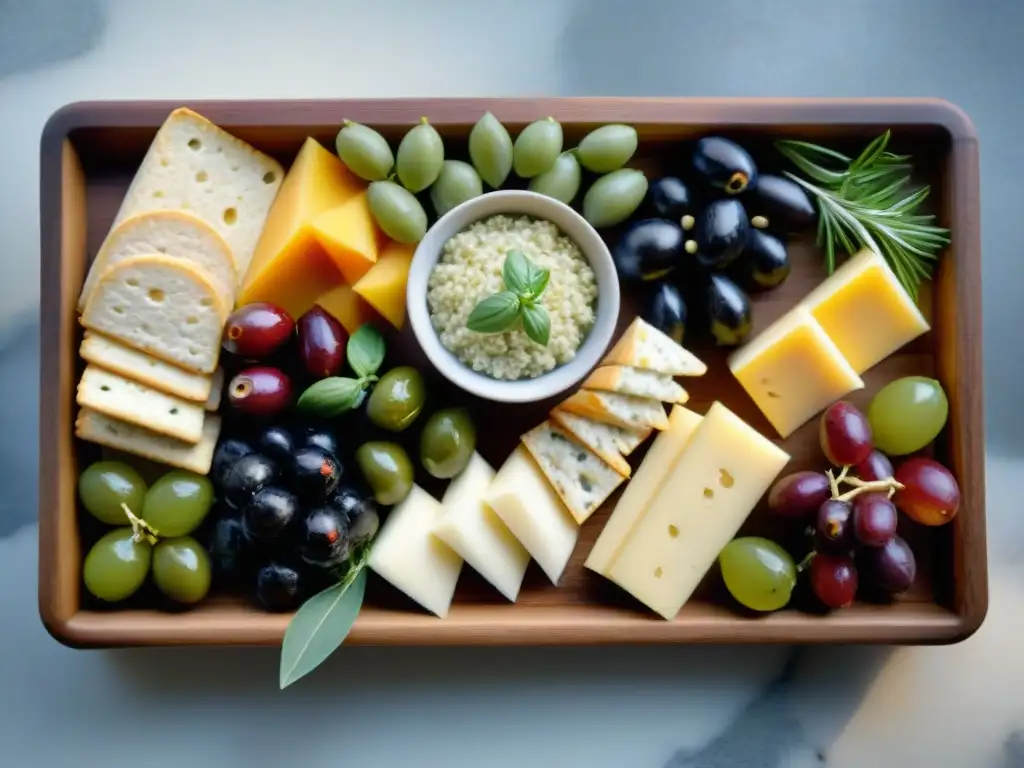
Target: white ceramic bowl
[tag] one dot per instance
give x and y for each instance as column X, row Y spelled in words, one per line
column 572, row 224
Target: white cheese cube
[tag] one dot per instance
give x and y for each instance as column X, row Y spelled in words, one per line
column 526, row 503
column 407, row 554
column 477, row 534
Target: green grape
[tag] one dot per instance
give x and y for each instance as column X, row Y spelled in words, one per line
column 490, row 149
column 537, row 147
column 181, row 569
column 561, row 181
column 457, row 183
column 607, row 148
column 177, row 503
column 116, row 566
column 759, row 573
column 397, row 212
column 105, row 485
column 614, row 197
column 364, row 151
column 907, row 414
column 419, row 157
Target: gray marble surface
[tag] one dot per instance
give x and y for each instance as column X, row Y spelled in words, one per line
column 628, row 708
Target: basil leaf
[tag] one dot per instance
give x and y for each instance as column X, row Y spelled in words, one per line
column 321, row 625
column 494, row 314
column 516, row 273
column 537, row 324
column 330, row 397
column 365, row 350
column 537, row 280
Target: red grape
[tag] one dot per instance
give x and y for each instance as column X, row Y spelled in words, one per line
column 260, row 391
column 875, row 467
column 799, row 494
column 874, row 519
column 834, row 526
column 891, row 568
column 930, row 494
column 834, row 579
column 321, row 343
column 845, row 434
column 255, row 331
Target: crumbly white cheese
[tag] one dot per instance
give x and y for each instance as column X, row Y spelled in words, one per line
column 469, row 271
column 636, row 381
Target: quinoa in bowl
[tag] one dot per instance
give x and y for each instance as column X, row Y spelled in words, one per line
column 469, row 270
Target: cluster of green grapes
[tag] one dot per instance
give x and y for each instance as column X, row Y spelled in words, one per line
column 152, row 533
column 852, row 511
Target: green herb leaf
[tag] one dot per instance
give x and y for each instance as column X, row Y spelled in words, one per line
column 331, row 397
column 537, row 280
column 536, row 323
column 515, row 273
column 494, row 314
column 321, row 625
column 365, row 350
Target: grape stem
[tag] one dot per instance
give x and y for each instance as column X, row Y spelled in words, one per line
column 141, row 530
column 806, row 562
column 890, row 485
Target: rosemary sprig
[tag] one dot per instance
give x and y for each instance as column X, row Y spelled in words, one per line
column 866, row 202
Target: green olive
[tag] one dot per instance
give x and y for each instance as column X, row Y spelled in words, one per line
column 607, row 148
column 457, row 183
column 537, row 147
column 419, row 157
column 397, row 211
column 614, row 197
column 561, row 181
column 397, row 399
column 490, row 149
column 364, row 151
column 447, row 442
column 386, row 467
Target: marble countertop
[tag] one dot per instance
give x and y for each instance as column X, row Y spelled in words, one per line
column 693, row 707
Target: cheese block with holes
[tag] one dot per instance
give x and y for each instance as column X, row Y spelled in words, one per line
column 792, row 370
column 636, row 381
column 580, row 478
column 127, row 400
column 94, row 427
column 179, row 234
column 725, row 469
column 522, row 497
column 655, row 469
column 163, row 306
column 644, row 346
column 144, row 368
column 606, row 440
column 196, row 166
column 622, row 410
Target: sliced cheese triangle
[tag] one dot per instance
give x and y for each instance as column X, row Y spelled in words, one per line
column 161, row 305
column 580, row 478
column 644, row 346
column 636, row 381
column 622, row 410
column 606, row 440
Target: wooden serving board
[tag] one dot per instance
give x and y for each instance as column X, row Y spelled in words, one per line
column 91, row 150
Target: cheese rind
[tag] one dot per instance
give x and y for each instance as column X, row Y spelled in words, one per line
column 144, row 368
column 622, row 410
column 477, row 534
column 792, row 371
column 644, row 346
column 637, row 381
column 657, row 465
column 408, row 555
column 606, row 440
column 865, row 311
column 580, row 478
column 722, row 474
column 521, row 496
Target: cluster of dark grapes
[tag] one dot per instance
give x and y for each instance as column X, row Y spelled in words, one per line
column 853, row 510
column 285, row 525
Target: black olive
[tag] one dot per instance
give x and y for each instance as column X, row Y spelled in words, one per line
column 724, row 164
column 229, row 450
column 670, row 198
column 247, row 476
column 779, row 203
column 728, row 311
column 324, row 537
column 721, row 233
column 314, row 473
column 764, row 263
column 321, row 438
column 279, row 587
column 269, row 513
column 276, row 442
column 666, row 311
column 649, row 249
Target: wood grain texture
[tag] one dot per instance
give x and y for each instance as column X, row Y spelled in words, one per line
column 91, row 150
